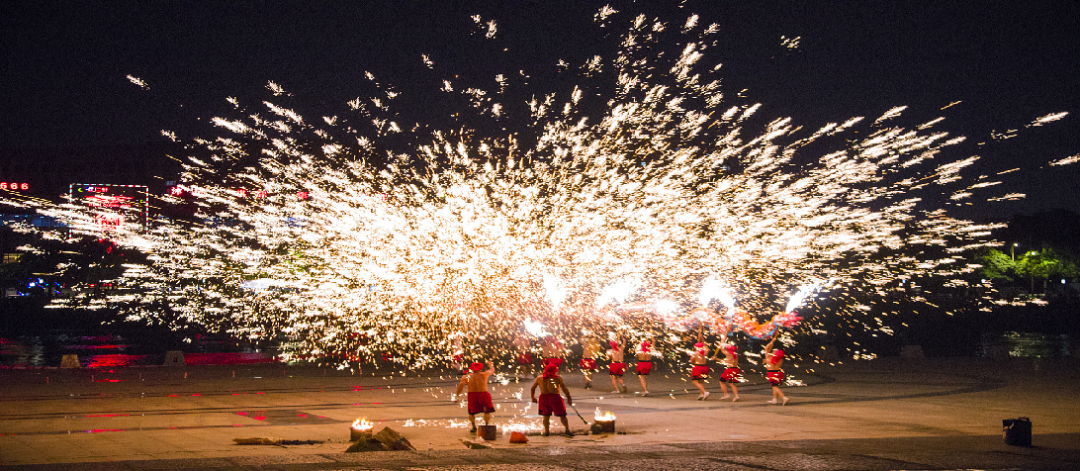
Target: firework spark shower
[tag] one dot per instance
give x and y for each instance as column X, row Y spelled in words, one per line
column 641, row 181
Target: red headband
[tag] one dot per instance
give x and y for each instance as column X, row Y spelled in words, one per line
column 476, row 366
column 551, row 371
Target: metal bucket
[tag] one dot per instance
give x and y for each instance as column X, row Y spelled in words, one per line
column 487, row 432
column 606, row 426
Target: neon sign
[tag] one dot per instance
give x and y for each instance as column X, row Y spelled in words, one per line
column 14, row 186
column 199, row 192
column 112, row 208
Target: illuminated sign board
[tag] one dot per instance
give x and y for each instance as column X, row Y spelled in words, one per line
column 237, row 192
column 18, row 186
column 111, row 208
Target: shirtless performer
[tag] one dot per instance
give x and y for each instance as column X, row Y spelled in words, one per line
column 774, row 362
column 479, row 397
column 590, row 350
column 617, row 368
column 732, row 374
column 644, row 363
column 550, row 402
column 552, row 351
column 699, row 359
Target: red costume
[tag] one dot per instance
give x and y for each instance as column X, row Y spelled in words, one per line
column 731, row 375
column 588, row 363
column 552, row 404
column 699, row 372
column 525, row 358
column 775, row 377
column 644, row 368
column 617, row 369
column 480, row 403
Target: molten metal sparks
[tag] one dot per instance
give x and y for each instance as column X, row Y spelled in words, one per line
column 362, row 235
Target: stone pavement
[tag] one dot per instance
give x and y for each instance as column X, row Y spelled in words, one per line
column 880, row 414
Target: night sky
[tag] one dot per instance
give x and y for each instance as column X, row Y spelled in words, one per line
column 68, row 113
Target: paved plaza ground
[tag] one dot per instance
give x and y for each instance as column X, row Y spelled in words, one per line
column 879, row 414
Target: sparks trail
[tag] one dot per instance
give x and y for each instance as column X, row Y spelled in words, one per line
column 365, row 234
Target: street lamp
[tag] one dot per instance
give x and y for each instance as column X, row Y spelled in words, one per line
column 1012, row 251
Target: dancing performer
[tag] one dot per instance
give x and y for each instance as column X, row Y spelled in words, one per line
column 617, row 368
column 590, row 349
column 700, row 369
column 774, row 362
column 732, row 374
column 644, row 363
column 550, row 402
column 479, row 398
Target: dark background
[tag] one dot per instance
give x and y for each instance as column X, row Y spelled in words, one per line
column 69, row 114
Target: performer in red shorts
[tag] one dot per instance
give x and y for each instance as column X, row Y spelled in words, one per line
column 774, row 361
column 617, row 368
column 550, row 401
column 731, row 373
column 644, row 363
column 479, row 397
column 590, row 349
column 700, row 370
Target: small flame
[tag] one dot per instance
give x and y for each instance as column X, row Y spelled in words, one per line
column 605, row 417
column 362, row 425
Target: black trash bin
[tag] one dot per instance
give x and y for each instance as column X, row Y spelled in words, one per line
column 1017, row 432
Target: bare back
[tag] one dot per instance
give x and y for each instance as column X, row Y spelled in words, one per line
column 772, row 363
column 698, row 358
column 550, row 385
column 477, row 381
column 731, row 360
column 616, row 355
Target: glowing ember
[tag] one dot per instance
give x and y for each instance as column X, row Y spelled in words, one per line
column 605, row 417
column 362, row 425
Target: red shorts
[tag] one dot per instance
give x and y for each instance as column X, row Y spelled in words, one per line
column 588, row 363
column 525, row 358
column 552, row 361
column 459, row 358
column 617, row 369
column 775, row 377
column 480, row 403
column 644, row 368
column 699, row 372
column 552, row 404
column 731, row 375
